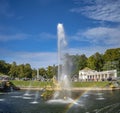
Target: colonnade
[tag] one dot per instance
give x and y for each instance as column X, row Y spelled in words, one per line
column 97, row 76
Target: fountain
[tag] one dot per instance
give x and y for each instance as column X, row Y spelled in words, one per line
column 61, row 88
column 63, row 74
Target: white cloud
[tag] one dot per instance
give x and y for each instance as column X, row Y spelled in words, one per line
column 5, row 9
column 90, row 50
column 106, row 10
column 99, row 35
column 38, row 59
column 45, row 35
column 35, row 59
column 108, row 36
column 19, row 36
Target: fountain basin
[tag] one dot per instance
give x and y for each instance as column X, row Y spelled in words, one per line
column 85, row 101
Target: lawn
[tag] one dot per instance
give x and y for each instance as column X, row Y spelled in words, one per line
column 90, row 84
column 39, row 84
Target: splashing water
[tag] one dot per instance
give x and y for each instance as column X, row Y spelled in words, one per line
column 63, row 69
column 36, row 98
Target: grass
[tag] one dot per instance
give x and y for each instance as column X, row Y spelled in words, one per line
column 36, row 84
column 90, row 84
column 39, row 84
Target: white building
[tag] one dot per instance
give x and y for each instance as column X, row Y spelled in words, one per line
column 87, row 74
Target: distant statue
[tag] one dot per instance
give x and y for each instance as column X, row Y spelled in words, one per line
column 56, row 84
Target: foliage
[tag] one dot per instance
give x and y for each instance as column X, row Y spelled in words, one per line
column 33, row 73
column 27, row 71
column 20, row 71
column 112, row 54
column 4, row 67
column 95, row 61
column 73, row 63
column 112, row 59
column 42, row 71
column 79, row 62
column 13, row 70
column 50, row 72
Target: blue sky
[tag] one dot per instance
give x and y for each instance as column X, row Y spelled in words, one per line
column 28, row 28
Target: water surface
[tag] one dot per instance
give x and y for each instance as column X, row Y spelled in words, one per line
column 81, row 102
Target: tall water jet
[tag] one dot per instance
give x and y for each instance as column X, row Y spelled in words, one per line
column 61, row 48
column 60, row 88
column 63, row 69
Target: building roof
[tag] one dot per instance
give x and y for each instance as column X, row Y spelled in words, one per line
column 86, row 69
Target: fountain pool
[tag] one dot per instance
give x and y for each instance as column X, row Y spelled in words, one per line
column 84, row 102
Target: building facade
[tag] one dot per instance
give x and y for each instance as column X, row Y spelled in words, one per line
column 92, row 75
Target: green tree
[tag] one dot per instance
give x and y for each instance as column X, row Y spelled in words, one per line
column 75, row 64
column 34, row 73
column 79, row 62
column 50, row 71
column 91, row 62
column 27, row 71
column 82, row 62
column 112, row 54
column 112, row 59
column 42, row 71
column 4, row 67
column 20, row 69
column 13, row 70
column 55, row 70
column 95, row 62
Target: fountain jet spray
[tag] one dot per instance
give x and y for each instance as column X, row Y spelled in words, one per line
column 61, row 47
column 63, row 72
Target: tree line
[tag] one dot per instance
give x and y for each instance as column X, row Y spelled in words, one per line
column 100, row 62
